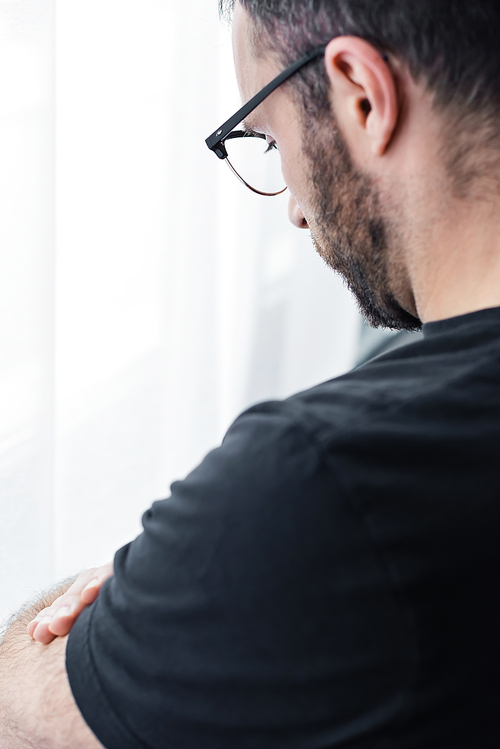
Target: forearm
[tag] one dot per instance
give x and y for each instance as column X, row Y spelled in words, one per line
column 15, row 648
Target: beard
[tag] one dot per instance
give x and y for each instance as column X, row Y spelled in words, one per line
column 349, row 230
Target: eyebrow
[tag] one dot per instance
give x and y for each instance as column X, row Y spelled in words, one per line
column 247, row 126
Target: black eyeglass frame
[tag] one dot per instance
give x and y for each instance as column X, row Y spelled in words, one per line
column 216, row 141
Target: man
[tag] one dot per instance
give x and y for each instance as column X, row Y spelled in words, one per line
column 328, row 577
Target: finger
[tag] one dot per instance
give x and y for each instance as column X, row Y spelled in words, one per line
column 58, row 619
column 31, row 627
column 72, row 594
column 64, row 618
column 56, row 622
column 71, row 598
column 70, row 605
column 36, row 621
column 91, row 590
column 42, row 633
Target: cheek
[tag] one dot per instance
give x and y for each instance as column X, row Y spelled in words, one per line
column 294, row 174
column 289, row 166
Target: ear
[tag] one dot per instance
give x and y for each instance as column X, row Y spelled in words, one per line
column 364, row 92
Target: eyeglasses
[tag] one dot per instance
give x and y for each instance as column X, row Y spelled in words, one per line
column 243, row 150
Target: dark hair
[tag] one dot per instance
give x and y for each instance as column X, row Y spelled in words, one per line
column 452, row 46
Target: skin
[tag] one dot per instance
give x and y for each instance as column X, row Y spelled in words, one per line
column 37, row 708
column 443, row 255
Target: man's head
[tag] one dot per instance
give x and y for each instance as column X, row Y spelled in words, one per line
column 375, row 136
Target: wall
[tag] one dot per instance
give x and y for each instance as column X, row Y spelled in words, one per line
column 146, row 297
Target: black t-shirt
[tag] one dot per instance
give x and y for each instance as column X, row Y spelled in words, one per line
column 328, row 577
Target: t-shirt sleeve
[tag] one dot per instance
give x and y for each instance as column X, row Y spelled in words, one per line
column 251, row 612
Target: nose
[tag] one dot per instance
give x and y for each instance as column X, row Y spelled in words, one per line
column 295, row 214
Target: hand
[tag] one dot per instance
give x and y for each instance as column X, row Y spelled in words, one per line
column 57, row 620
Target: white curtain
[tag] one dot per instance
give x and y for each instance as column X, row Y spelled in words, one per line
column 146, row 297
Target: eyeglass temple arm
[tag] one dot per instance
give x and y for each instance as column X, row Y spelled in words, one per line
column 214, row 141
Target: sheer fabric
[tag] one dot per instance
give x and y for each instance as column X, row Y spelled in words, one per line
column 146, row 297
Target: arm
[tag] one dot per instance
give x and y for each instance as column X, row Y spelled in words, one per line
column 252, row 610
column 36, row 704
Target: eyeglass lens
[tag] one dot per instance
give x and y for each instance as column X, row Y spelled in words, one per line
column 257, row 162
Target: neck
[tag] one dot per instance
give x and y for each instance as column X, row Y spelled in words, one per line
column 458, row 270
